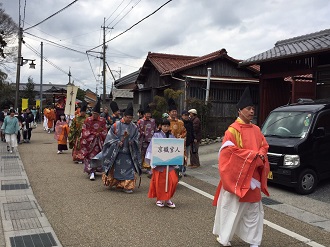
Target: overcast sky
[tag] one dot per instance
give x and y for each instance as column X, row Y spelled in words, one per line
column 187, row 27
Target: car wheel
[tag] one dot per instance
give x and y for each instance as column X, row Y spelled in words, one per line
column 307, row 182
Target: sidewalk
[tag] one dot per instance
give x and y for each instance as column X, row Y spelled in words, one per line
column 23, row 222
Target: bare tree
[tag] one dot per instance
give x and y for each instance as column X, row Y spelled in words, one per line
column 8, row 37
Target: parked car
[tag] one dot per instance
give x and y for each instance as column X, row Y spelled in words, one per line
column 299, row 144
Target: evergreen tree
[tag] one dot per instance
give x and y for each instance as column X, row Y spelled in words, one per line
column 29, row 92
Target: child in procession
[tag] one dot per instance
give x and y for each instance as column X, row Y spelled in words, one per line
column 61, row 134
column 158, row 179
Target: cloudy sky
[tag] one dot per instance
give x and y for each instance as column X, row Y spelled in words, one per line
column 187, row 27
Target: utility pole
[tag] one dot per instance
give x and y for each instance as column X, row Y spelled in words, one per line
column 18, row 70
column 104, row 64
column 41, row 71
column 104, row 69
column 69, row 76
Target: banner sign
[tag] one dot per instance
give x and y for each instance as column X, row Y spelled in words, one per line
column 167, row 151
column 25, row 103
column 71, row 94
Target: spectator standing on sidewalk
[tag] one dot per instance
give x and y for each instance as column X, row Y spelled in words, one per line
column 93, row 134
column 34, row 113
column 194, row 157
column 75, row 134
column 10, row 128
column 3, row 114
column 243, row 168
column 28, row 121
column 61, row 134
column 120, row 156
column 189, row 139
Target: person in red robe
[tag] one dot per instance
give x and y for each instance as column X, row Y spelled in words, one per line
column 243, row 168
column 158, row 179
column 93, row 134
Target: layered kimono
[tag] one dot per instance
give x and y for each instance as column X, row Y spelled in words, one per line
column 93, row 134
column 61, row 134
column 120, row 163
column 147, row 128
column 158, row 179
column 243, row 177
column 75, row 136
column 177, row 128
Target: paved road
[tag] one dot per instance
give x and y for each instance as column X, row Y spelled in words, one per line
column 85, row 213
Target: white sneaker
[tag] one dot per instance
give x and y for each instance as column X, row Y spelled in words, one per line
column 11, row 151
column 58, row 152
column 92, row 176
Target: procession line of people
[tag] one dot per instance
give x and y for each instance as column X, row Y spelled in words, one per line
column 121, row 150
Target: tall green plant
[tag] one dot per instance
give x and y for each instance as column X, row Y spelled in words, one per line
column 160, row 103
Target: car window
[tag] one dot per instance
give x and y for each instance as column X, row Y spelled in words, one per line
column 324, row 121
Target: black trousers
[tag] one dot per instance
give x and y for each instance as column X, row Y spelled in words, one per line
column 27, row 134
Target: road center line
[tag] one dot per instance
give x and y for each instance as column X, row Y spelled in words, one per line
column 266, row 222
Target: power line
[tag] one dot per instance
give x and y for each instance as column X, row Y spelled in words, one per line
column 54, row 65
column 114, row 11
column 120, row 13
column 52, row 15
column 134, row 24
column 56, row 44
column 126, row 14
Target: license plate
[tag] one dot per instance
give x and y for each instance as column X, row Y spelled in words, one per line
column 270, row 175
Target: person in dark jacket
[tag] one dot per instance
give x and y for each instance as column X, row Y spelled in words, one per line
column 194, row 157
column 189, row 139
column 27, row 129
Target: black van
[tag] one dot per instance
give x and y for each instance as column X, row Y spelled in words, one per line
column 299, row 144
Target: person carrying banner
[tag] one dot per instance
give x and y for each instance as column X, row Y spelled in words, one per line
column 75, row 134
column 243, row 168
column 158, row 179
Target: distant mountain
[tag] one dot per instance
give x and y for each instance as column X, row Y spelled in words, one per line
column 178, row 160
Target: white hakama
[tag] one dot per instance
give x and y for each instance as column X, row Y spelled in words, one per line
column 245, row 219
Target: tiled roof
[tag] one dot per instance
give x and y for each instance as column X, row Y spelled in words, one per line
column 128, row 79
column 305, row 44
column 168, row 62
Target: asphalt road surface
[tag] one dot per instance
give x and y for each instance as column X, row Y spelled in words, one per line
column 85, row 213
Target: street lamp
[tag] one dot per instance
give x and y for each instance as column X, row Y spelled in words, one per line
column 21, row 62
column 25, row 61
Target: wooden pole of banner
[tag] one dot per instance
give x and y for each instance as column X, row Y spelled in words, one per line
column 166, row 182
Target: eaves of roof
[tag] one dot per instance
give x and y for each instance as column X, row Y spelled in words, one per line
column 224, row 79
column 166, row 62
column 201, row 60
column 297, row 46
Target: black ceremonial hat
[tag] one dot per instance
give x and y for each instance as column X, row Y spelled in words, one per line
column 147, row 109
column 245, row 100
column 97, row 107
column 83, row 106
column 114, row 107
column 129, row 110
column 141, row 110
column 171, row 105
